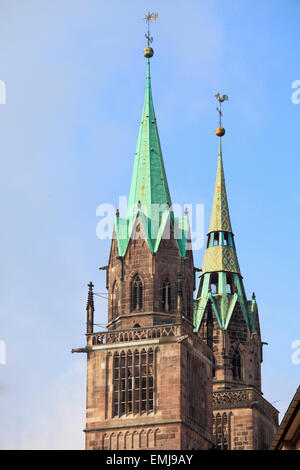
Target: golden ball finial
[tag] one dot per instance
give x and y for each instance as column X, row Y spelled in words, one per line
column 148, row 52
column 220, row 131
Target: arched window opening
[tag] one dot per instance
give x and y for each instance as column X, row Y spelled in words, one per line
column 105, row 442
column 137, row 326
column 214, row 288
column 225, row 431
column 150, row 384
column 207, row 243
column 115, row 300
column 214, row 283
column 216, row 239
column 136, row 381
column 144, row 380
column 129, row 382
column 221, row 431
column 116, row 380
column 229, row 284
column 123, row 382
column 136, row 293
column 226, row 239
column 133, row 382
column 166, row 296
column 218, row 431
column 236, row 366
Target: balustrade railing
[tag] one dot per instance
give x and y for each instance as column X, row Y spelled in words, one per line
column 243, row 398
column 134, row 334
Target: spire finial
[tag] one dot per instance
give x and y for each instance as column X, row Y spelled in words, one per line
column 149, row 18
column 90, row 299
column 90, row 309
column 220, row 131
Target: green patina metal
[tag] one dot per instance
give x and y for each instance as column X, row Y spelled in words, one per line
column 149, row 182
column 149, row 196
column 220, row 260
column 220, row 218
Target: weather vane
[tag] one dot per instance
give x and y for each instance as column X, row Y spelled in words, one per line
column 220, row 131
column 149, row 18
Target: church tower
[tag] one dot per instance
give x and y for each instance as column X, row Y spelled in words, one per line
column 229, row 324
column 149, row 376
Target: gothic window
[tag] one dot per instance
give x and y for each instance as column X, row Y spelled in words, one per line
column 225, row 431
column 213, row 239
column 229, row 283
column 166, row 296
column 201, row 284
column 214, row 283
column 225, row 239
column 143, row 443
column 115, row 300
column 221, row 431
column 236, row 366
column 214, row 367
column 133, row 382
column 216, row 238
column 136, row 293
column 218, row 431
column 208, row 239
column 105, row 442
column 137, row 381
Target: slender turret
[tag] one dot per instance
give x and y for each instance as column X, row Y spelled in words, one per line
column 221, row 283
column 90, row 309
column 229, row 324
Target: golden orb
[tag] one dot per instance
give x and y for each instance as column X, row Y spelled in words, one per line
column 148, row 52
column 220, row 131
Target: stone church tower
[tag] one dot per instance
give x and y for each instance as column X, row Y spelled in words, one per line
column 149, row 376
column 229, row 324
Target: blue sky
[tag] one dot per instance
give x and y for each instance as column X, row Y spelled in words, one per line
column 75, row 77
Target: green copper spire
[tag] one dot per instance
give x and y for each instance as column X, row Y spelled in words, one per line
column 149, row 196
column 220, row 254
column 149, row 182
column 220, row 218
column 221, row 283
